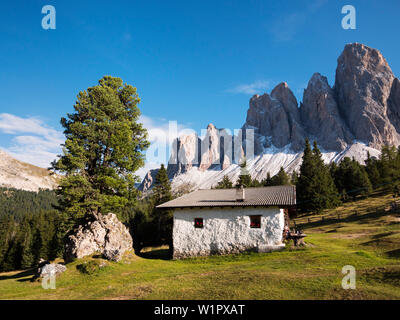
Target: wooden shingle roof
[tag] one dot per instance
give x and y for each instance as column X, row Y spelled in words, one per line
column 265, row 196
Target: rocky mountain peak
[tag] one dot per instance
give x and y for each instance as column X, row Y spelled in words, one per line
column 210, row 149
column 362, row 106
column 185, row 153
column 318, row 82
column 362, row 86
column 275, row 117
column 320, row 115
column 364, row 58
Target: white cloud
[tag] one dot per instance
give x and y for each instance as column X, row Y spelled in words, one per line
column 32, row 140
column 12, row 124
column 259, row 86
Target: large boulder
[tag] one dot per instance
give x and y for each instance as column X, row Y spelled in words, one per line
column 103, row 234
column 46, row 269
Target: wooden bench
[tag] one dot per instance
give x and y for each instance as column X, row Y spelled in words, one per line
column 298, row 238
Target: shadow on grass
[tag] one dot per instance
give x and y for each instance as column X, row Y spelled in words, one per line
column 364, row 218
column 160, row 254
column 394, row 253
column 18, row 276
column 381, row 235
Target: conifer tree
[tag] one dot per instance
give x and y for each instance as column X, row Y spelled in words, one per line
column 371, row 167
column 162, row 187
column 244, row 175
column 352, row 178
column 6, row 231
column 389, row 167
column 103, row 149
column 27, row 258
column 280, row 179
column 294, row 177
column 161, row 194
column 268, row 180
column 255, row 183
column 315, row 188
column 225, row 183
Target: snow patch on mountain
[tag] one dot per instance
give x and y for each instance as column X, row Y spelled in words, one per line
column 271, row 161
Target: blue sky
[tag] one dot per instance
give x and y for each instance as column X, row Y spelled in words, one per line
column 193, row 62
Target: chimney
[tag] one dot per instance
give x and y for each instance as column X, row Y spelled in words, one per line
column 240, row 193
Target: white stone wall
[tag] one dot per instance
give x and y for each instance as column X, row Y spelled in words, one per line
column 226, row 230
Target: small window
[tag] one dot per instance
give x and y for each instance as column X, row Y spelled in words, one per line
column 198, row 222
column 255, row 221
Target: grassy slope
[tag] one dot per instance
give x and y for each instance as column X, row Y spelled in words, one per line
column 370, row 242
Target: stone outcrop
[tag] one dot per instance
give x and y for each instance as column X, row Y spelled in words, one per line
column 320, row 115
column 217, row 149
column 185, row 153
column 103, row 234
column 148, row 180
column 210, row 148
column 275, row 119
column 394, row 104
column 363, row 85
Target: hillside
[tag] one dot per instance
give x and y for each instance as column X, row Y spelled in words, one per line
column 369, row 241
column 20, row 175
column 20, row 203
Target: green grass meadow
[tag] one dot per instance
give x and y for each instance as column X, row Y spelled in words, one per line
column 368, row 241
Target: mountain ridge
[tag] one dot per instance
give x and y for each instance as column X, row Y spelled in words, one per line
column 359, row 114
column 21, row 175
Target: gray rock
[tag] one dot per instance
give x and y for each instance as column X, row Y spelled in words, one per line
column 362, row 86
column 394, row 104
column 103, row 234
column 275, row 119
column 211, row 156
column 320, row 115
column 50, row 269
column 185, row 153
column 148, row 180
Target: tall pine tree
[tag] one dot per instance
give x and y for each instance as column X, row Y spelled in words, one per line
column 280, row 179
column 225, row 183
column 163, row 218
column 244, row 175
column 268, row 180
column 371, row 166
column 315, row 188
column 351, row 178
column 103, row 149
